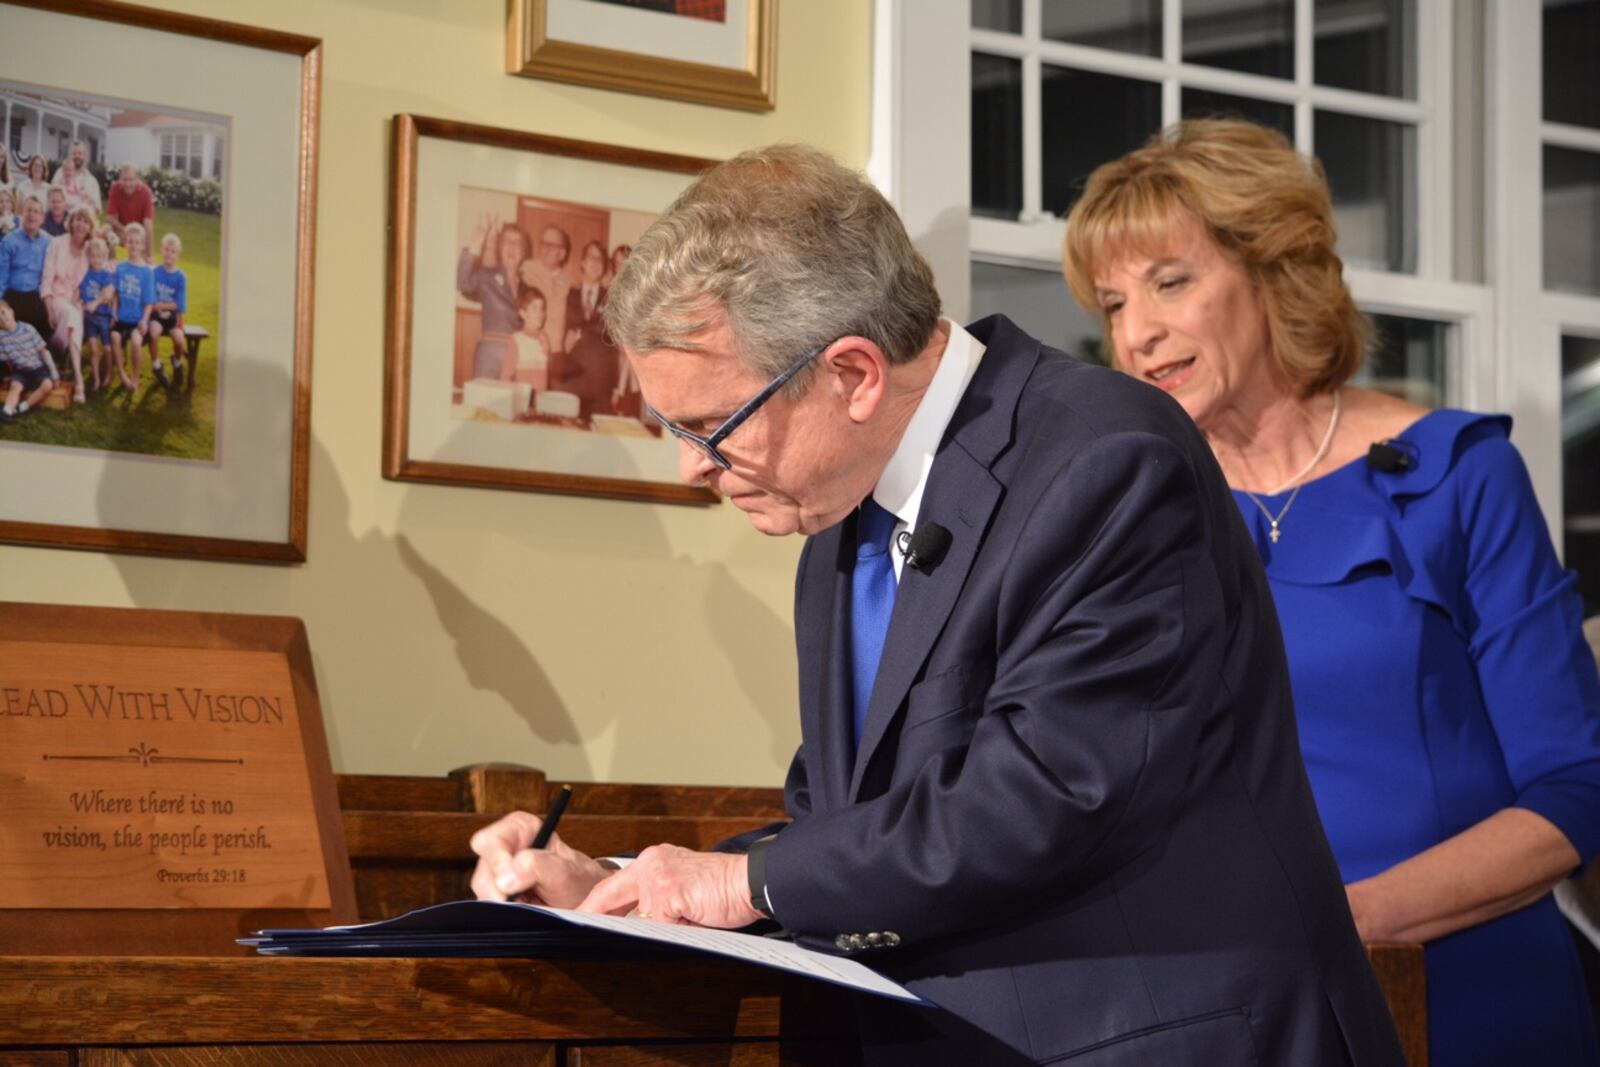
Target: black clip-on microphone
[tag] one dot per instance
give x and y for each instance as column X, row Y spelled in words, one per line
column 924, row 549
column 1391, row 455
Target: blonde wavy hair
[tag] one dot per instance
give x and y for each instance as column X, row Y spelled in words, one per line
column 1266, row 207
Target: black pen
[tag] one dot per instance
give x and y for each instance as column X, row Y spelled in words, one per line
column 548, row 827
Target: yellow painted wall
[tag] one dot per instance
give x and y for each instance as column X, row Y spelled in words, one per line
column 592, row 638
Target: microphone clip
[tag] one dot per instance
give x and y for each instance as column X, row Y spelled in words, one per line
column 1392, row 455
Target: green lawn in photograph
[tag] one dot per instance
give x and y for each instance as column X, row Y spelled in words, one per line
column 150, row 421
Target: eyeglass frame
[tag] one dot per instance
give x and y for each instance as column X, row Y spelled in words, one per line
column 708, row 445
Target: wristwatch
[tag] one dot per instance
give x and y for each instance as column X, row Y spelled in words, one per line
column 757, row 869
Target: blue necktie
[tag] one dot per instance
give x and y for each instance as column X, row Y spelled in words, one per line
column 872, row 590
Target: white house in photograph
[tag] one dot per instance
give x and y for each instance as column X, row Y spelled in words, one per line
column 50, row 125
column 113, row 135
column 171, row 142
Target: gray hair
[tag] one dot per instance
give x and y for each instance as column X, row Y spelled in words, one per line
column 793, row 249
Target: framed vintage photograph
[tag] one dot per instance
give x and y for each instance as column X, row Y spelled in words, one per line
column 704, row 51
column 500, row 371
column 156, row 250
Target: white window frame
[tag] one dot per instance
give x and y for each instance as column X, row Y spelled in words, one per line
column 922, row 134
column 1531, row 320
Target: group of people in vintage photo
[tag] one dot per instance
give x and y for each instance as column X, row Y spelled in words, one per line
column 90, row 290
column 541, row 322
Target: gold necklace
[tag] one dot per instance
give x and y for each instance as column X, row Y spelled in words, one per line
column 1322, row 451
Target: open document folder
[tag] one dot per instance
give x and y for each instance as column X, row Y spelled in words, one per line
column 494, row 928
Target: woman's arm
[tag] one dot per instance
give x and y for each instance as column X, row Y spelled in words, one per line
column 1503, row 863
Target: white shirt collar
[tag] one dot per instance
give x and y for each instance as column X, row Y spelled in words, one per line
column 900, row 486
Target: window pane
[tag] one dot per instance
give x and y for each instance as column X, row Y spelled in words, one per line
column 1580, row 448
column 1408, row 359
column 1366, row 45
column 1253, row 36
column 1571, row 38
column 996, row 136
column 1002, row 15
column 1039, row 302
column 1203, row 103
column 1089, row 119
column 1119, row 25
column 1571, row 220
column 1372, row 169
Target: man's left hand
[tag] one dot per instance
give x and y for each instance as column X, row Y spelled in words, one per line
column 678, row 885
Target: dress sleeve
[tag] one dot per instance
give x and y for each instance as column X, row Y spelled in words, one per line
column 1525, row 627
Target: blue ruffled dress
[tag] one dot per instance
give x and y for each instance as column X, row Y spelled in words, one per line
column 1440, row 675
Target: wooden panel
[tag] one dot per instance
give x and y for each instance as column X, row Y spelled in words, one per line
column 383, row 792
column 496, row 788
column 375, row 1054
column 442, row 835
column 35, row 1059
column 744, row 1054
column 62, row 1000
column 617, row 798
column 386, row 888
column 1401, row 974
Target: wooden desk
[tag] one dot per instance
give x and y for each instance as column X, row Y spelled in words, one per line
column 242, row 1012
column 407, row 839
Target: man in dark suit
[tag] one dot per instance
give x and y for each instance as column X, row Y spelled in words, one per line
column 592, row 367
column 1049, row 777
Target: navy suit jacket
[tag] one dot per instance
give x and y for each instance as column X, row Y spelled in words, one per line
column 1078, row 820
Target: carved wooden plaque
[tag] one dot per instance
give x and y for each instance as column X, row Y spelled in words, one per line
column 163, row 764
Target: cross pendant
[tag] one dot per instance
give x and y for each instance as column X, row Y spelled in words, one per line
column 1272, row 534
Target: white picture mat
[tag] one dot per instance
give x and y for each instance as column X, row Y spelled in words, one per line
column 435, row 434
column 654, row 33
column 245, row 493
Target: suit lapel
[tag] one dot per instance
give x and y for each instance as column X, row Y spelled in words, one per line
column 961, row 495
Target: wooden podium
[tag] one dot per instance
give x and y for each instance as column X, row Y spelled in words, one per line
column 407, row 839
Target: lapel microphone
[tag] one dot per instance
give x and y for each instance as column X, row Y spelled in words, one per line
column 1391, row 456
column 924, row 549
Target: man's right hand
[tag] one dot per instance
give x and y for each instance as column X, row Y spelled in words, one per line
column 509, row 870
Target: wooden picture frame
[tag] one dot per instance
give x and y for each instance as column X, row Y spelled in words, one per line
column 729, row 64
column 213, row 753
column 242, row 494
column 467, row 400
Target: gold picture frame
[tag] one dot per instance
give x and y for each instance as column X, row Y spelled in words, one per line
column 446, row 176
column 540, row 43
column 247, row 498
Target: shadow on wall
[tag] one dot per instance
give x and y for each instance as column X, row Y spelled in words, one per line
column 401, row 581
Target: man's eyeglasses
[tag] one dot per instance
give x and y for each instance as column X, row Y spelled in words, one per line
column 708, row 445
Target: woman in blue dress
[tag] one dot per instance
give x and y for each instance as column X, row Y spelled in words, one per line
column 1449, row 711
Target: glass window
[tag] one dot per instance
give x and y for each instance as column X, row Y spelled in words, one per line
column 1580, row 448
column 1087, row 119
column 1002, row 15
column 1407, row 359
column 1571, row 220
column 1369, row 46
column 1118, row 25
column 1571, row 38
column 216, row 157
column 996, row 136
column 1038, row 301
column 1203, row 103
column 1250, row 36
column 1371, row 167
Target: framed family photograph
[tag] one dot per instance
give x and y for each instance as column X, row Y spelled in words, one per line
column 500, row 371
column 704, row 51
column 156, row 250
